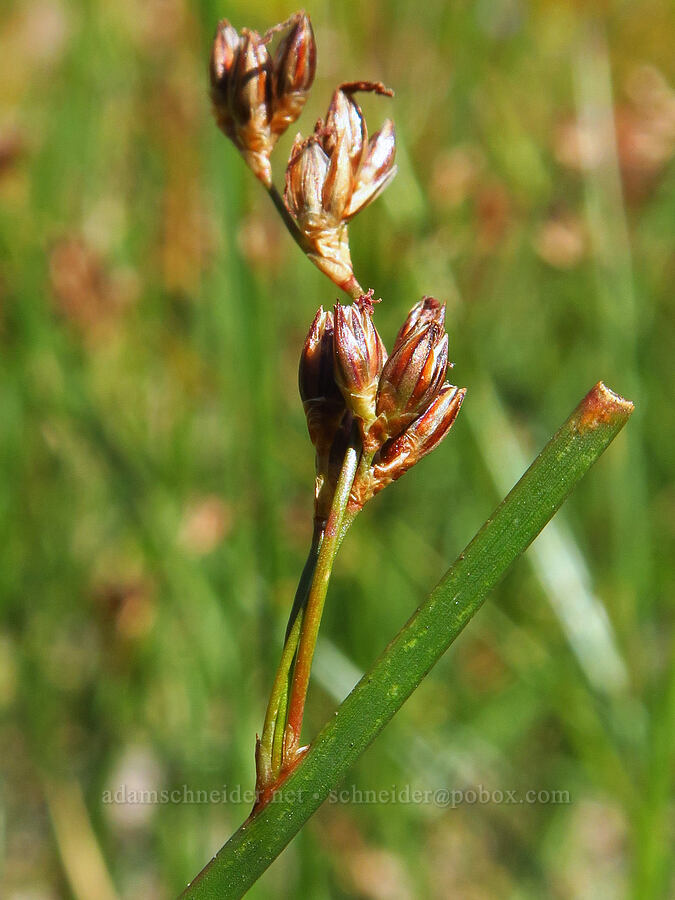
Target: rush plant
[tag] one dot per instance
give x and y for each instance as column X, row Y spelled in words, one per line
column 371, row 416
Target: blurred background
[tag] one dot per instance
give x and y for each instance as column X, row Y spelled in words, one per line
column 156, row 476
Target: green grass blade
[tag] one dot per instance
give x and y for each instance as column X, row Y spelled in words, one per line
column 419, row 645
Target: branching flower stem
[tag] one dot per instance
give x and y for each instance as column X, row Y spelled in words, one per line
column 288, row 220
column 352, row 511
column 271, row 741
column 354, row 290
column 279, row 742
column 317, row 594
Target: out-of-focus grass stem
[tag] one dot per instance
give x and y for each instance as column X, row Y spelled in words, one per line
column 81, row 854
column 621, row 318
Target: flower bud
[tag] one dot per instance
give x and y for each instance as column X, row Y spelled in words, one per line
column 372, row 162
column 420, row 438
column 345, row 121
column 427, row 310
column 321, row 397
column 377, row 169
column 252, row 81
column 224, row 53
column 255, row 99
column 294, row 70
column 317, row 185
column 338, row 184
column 359, row 357
column 316, row 194
column 412, row 377
column 328, row 421
column 305, row 177
column 352, row 171
column 241, row 92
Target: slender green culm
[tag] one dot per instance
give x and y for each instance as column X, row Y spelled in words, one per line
column 419, row 645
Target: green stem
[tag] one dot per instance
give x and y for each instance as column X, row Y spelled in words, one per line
column 315, row 602
column 269, row 751
column 307, row 576
column 278, row 742
column 351, row 287
column 418, row 646
column 362, row 475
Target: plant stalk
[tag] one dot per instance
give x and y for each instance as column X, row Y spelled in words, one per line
column 353, row 288
column 269, row 751
column 288, row 220
column 315, row 602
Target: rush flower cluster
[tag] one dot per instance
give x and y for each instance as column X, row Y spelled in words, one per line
column 332, row 174
column 256, row 97
column 335, row 173
column 402, row 405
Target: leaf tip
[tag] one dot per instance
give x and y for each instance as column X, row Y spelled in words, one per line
column 602, row 406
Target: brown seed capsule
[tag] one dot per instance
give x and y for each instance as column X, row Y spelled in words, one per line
column 294, row 70
column 321, row 397
column 315, row 373
column 345, row 122
column 359, row 358
column 348, row 174
column 377, row 169
column 427, row 310
column 255, row 99
column 252, row 88
column 412, row 377
column 420, row 438
column 328, row 420
column 224, row 54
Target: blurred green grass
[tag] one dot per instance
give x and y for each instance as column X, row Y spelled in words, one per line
column 155, row 480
